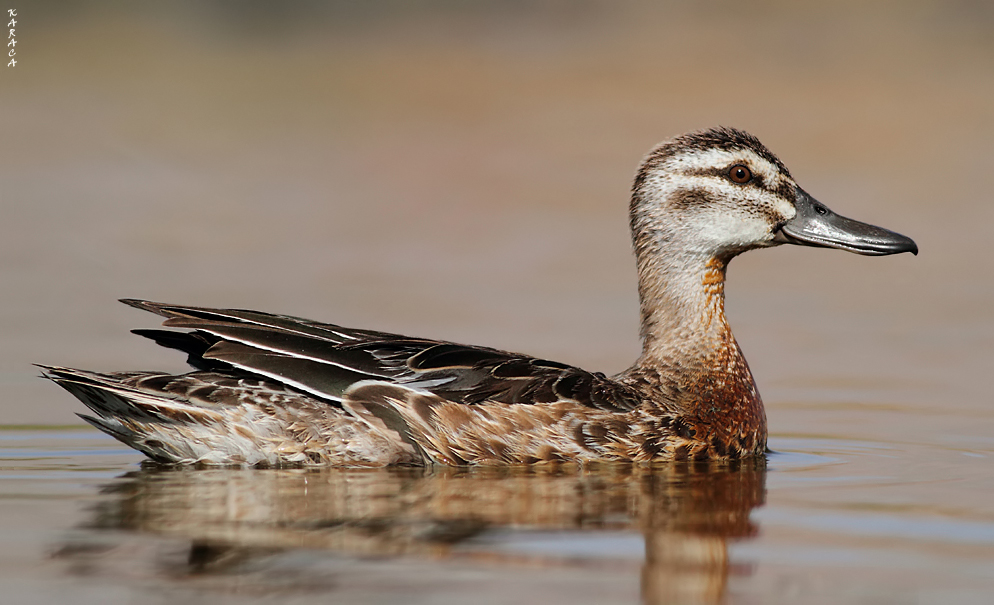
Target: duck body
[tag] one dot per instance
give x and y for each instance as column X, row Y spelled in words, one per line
column 273, row 390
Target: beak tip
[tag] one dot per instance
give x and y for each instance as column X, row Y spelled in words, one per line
column 905, row 244
column 910, row 246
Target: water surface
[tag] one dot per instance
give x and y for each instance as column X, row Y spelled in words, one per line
column 819, row 521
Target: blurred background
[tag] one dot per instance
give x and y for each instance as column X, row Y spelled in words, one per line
column 460, row 170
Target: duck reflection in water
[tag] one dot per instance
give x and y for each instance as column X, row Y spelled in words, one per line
column 235, row 522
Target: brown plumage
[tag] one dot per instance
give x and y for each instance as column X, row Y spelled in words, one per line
column 273, row 390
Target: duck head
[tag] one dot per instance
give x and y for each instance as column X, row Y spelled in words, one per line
column 699, row 200
column 720, row 192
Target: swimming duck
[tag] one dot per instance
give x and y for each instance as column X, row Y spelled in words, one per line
column 274, row 390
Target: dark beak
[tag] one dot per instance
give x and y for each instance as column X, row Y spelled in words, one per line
column 816, row 225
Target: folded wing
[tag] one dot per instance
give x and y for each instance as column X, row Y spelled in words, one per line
column 326, row 360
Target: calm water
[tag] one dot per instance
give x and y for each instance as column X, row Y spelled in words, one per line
column 460, row 171
column 821, row 521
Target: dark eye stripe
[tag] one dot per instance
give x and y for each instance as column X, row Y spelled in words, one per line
column 685, row 199
column 782, row 187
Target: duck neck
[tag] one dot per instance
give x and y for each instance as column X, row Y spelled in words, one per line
column 682, row 298
column 690, row 359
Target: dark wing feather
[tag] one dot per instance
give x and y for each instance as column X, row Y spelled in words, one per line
column 291, row 344
column 194, row 344
column 326, row 359
column 325, row 380
column 330, row 332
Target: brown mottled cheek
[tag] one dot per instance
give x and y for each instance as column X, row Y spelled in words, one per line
column 688, row 199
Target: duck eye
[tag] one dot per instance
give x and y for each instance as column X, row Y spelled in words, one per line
column 739, row 174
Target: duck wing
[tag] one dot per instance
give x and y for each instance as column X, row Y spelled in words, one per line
column 326, row 360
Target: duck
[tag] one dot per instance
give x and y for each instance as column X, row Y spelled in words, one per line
column 271, row 390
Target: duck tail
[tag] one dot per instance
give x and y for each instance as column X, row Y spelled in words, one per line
column 141, row 420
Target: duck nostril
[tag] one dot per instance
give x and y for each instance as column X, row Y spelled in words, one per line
column 820, row 209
